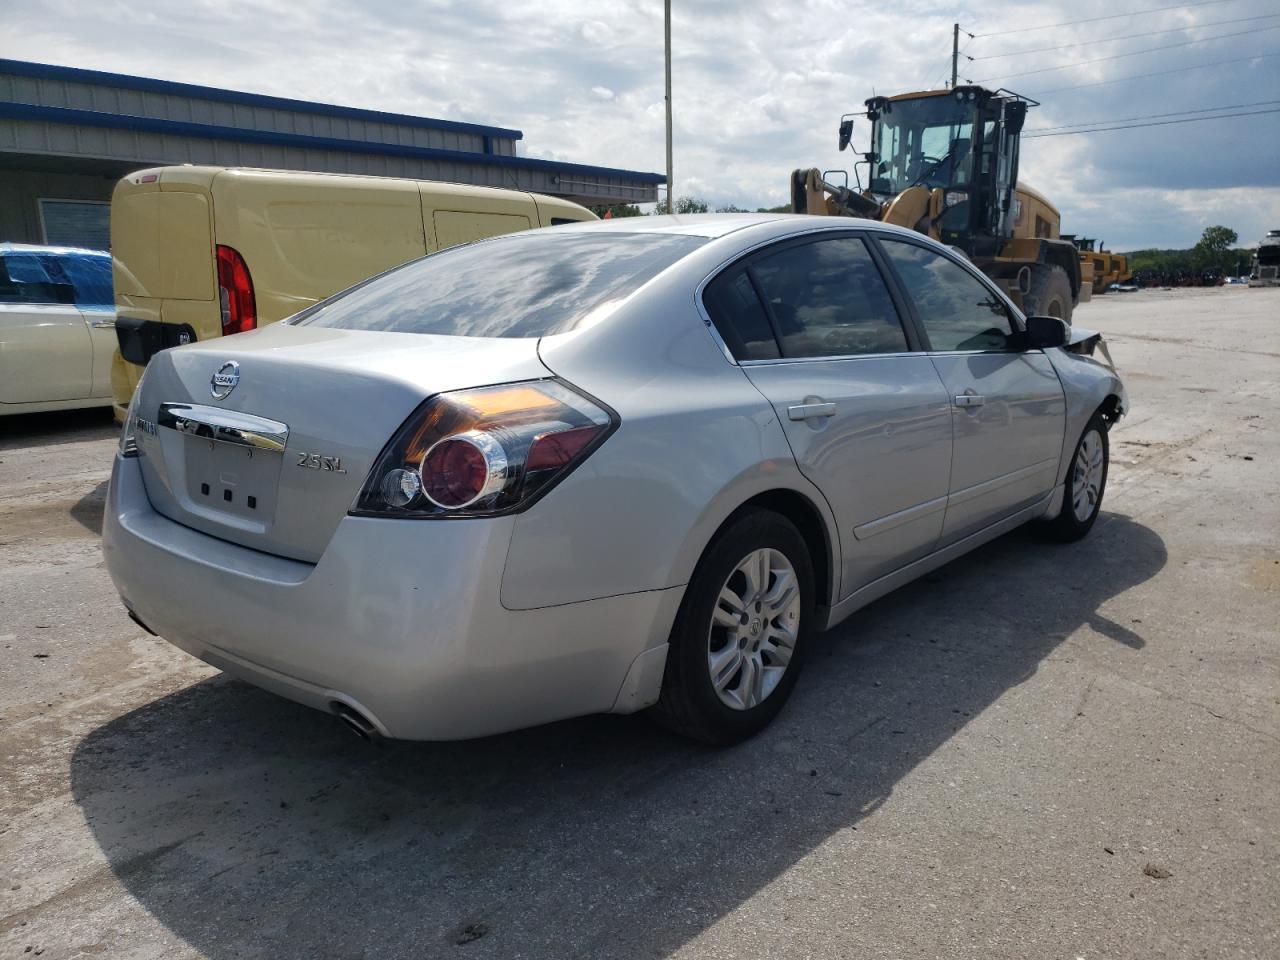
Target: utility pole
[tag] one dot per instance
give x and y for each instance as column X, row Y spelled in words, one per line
column 955, row 54
column 671, row 199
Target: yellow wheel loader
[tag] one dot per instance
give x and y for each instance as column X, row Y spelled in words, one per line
column 945, row 163
column 1100, row 265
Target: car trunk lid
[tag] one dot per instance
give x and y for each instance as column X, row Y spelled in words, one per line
column 264, row 439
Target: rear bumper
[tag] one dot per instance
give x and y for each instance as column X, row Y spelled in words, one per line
column 399, row 619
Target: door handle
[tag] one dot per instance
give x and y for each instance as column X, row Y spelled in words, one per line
column 970, row 400
column 804, row 411
column 103, row 324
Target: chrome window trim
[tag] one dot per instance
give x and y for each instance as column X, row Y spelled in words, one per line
column 856, row 230
column 900, row 354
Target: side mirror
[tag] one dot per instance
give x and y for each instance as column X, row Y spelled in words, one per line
column 1045, row 332
column 846, row 133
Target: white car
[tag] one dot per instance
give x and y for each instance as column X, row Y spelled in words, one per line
column 595, row 468
column 57, row 328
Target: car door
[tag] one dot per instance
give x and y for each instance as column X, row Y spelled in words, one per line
column 90, row 274
column 45, row 352
column 816, row 330
column 1008, row 407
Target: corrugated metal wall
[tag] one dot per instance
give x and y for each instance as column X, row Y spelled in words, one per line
column 69, row 134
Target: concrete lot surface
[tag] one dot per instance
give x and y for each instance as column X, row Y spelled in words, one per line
column 1036, row 752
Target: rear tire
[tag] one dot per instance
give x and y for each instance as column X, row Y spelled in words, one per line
column 1050, row 293
column 740, row 637
column 1085, row 484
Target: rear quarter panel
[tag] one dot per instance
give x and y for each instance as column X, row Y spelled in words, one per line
column 696, row 441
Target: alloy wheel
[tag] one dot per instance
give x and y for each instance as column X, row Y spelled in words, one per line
column 1086, row 479
column 754, row 628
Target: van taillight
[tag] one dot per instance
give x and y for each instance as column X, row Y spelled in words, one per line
column 235, row 292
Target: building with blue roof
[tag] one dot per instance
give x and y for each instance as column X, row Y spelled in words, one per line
column 67, row 135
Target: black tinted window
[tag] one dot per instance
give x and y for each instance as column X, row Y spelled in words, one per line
column 829, row 300
column 740, row 317
column 91, row 276
column 526, row 285
column 24, row 278
column 958, row 311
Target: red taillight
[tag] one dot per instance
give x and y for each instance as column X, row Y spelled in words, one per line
column 461, row 469
column 485, row 451
column 235, row 292
column 551, row 451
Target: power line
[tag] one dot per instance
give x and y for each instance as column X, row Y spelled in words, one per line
column 1161, row 123
column 1121, row 56
column 1128, row 36
column 1113, row 16
column 1157, row 116
column 1158, row 73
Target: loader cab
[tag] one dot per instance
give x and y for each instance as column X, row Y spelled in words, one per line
column 963, row 142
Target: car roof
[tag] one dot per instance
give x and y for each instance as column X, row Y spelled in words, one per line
column 9, row 247
column 715, row 225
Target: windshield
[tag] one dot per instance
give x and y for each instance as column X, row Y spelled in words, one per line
column 927, row 141
column 525, row 285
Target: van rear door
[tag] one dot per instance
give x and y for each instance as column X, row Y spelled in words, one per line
column 305, row 236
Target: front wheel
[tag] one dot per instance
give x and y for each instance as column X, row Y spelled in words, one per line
column 1086, row 483
column 740, row 637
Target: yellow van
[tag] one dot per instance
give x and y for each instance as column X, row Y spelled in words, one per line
column 201, row 252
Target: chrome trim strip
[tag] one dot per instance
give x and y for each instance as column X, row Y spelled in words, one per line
column 894, row 520
column 987, row 486
column 225, row 426
column 848, row 356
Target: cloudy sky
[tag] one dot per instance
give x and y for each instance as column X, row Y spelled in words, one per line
column 759, row 85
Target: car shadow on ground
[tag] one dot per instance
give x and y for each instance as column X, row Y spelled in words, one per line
column 31, row 430
column 253, row 827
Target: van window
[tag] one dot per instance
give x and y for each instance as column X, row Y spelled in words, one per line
column 526, row 285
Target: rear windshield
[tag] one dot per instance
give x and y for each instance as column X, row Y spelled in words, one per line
column 527, row 285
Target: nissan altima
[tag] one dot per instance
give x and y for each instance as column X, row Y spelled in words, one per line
column 626, row 465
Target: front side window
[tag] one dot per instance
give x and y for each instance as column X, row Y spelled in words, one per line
column 91, row 277
column 522, row 285
column 827, row 299
column 958, row 311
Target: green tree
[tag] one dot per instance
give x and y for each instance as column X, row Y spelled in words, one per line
column 1214, row 248
column 785, row 208
column 730, row 208
column 619, row 210
column 683, row 205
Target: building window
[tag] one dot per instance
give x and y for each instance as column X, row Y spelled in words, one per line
column 76, row 223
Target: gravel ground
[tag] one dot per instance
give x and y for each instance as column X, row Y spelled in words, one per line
column 1037, row 751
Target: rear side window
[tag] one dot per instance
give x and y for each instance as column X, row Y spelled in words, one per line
column 827, row 299
column 739, row 316
column 958, row 311
column 526, row 285
column 25, row 278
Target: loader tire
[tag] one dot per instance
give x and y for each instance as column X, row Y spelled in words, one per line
column 1050, row 294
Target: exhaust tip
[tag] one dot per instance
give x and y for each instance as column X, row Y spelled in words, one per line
column 356, row 722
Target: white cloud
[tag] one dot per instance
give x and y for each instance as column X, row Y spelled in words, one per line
column 759, row 89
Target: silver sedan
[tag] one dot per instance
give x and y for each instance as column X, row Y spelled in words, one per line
column 618, row 466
